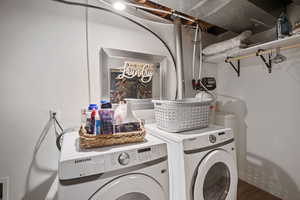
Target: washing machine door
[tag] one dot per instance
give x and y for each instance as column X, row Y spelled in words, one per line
column 216, row 177
column 131, row 187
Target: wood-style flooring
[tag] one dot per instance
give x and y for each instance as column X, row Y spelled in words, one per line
column 249, row 192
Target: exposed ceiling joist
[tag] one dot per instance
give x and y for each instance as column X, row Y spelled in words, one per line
column 186, row 20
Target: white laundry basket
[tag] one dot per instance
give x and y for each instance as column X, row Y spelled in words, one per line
column 181, row 115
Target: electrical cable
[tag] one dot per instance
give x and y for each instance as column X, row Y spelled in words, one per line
column 88, row 54
column 63, row 131
column 127, row 18
column 58, row 142
column 55, row 130
column 51, row 122
column 60, row 137
column 199, row 81
column 59, row 125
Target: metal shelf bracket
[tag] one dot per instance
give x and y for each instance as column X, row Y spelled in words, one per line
column 237, row 68
column 267, row 63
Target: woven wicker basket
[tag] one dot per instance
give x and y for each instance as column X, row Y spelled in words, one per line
column 88, row 141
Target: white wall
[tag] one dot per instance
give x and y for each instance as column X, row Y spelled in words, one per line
column 42, row 62
column 268, row 109
column 267, row 106
column 43, row 67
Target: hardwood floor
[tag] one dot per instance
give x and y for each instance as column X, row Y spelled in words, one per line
column 249, row 192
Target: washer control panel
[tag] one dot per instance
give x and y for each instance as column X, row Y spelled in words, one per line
column 119, row 160
column 111, row 161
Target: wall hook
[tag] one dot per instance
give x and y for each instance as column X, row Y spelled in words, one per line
column 237, row 68
column 268, row 64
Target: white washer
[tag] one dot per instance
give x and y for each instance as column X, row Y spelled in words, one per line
column 124, row 172
column 202, row 163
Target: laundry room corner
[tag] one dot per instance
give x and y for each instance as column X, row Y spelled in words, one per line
column 149, row 99
column 267, row 110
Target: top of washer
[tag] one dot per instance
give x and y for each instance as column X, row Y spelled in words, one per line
column 193, row 139
column 179, row 137
column 71, row 150
column 75, row 162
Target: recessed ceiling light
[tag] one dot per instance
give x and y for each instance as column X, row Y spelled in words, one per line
column 119, row 5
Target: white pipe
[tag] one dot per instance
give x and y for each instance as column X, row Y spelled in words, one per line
column 200, row 56
column 194, row 50
column 179, row 59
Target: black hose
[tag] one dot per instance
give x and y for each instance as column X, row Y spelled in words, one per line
column 120, row 15
column 59, row 125
column 58, row 141
column 59, row 138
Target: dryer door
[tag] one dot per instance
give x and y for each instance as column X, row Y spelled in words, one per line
column 216, row 178
column 131, row 187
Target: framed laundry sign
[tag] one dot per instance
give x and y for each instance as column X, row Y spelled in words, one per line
column 135, row 75
column 143, row 71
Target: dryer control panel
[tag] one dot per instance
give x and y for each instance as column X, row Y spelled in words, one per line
column 110, row 161
column 208, row 139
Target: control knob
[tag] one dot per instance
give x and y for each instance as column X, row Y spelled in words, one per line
column 212, row 138
column 124, row 158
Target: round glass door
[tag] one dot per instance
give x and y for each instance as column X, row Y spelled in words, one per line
column 216, row 178
column 131, row 187
column 133, row 196
column 217, row 182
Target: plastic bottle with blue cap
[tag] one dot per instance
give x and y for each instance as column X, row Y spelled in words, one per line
column 91, row 121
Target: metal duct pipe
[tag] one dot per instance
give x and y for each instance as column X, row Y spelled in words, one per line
column 179, row 59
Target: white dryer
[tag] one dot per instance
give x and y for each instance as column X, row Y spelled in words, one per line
column 124, row 172
column 202, row 163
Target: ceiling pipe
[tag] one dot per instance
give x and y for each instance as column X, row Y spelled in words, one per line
column 149, row 8
column 179, row 58
column 149, row 5
column 173, row 13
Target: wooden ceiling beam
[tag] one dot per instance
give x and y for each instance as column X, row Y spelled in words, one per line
column 185, row 20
